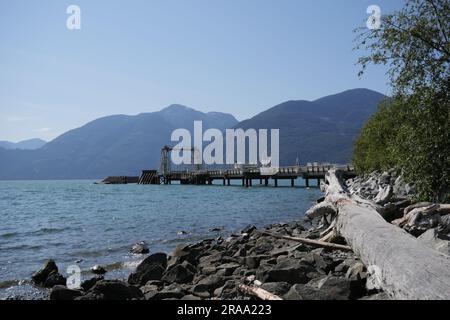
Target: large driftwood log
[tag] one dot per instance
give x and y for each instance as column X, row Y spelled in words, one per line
column 404, row 266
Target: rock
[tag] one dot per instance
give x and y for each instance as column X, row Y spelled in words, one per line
column 88, row 284
column 215, row 229
column 248, row 230
column 434, row 240
column 112, row 290
column 357, row 276
column 328, row 288
column 303, row 292
column 140, row 248
column 213, row 282
column 209, row 270
column 60, row 292
column 40, row 276
column 252, row 262
column 290, row 271
column 98, row 270
column 377, row 296
column 277, row 288
column 184, row 253
column 201, row 290
column 228, row 268
column 173, row 291
column 152, row 268
column 228, row 291
column 54, row 279
column 190, row 297
column 179, row 274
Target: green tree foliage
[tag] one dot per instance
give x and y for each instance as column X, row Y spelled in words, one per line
column 412, row 130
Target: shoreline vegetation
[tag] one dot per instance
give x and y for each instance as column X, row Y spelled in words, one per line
column 312, row 259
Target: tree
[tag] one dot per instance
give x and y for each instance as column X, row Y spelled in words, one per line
column 415, row 124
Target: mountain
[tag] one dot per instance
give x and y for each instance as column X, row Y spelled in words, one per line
column 114, row 145
column 322, row 130
column 31, row 144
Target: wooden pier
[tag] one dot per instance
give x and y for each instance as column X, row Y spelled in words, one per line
column 246, row 176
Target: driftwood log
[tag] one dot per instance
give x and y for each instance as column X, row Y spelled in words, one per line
column 258, row 292
column 402, row 266
column 311, row 242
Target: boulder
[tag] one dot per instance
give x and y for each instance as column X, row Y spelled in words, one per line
column 140, row 248
column 212, row 282
column 277, row 288
column 248, row 230
column 40, row 276
column 290, row 271
column 228, row 268
column 54, row 279
column 328, row 288
column 180, row 273
column 88, row 284
column 173, row 291
column 112, row 290
column 201, row 290
column 60, row 292
column 228, row 291
column 152, row 268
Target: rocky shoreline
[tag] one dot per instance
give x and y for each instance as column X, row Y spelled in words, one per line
column 272, row 260
column 216, row 268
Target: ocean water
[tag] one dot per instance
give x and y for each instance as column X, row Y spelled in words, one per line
column 84, row 223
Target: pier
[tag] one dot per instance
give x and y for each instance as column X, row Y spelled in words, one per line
column 248, row 176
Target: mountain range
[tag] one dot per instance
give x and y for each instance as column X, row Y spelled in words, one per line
column 31, row 144
column 320, row 130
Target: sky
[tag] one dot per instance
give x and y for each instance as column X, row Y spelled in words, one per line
column 129, row 57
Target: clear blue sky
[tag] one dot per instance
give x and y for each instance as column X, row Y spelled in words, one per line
column 236, row 56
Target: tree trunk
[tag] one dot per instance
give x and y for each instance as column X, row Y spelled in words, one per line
column 404, row 267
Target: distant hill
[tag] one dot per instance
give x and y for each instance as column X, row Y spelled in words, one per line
column 321, row 130
column 31, row 144
column 114, row 145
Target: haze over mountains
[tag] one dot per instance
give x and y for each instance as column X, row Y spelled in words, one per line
column 321, row 130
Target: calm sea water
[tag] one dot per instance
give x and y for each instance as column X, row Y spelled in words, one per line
column 72, row 221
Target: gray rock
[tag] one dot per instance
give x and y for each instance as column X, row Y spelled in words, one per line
column 60, row 292
column 277, row 288
column 54, row 279
column 152, row 268
column 290, row 271
column 173, row 291
column 112, row 290
column 40, row 276
column 140, row 248
column 179, row 274
column 213, row 282
column 88, row 284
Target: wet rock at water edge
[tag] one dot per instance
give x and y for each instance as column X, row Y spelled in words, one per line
column 140, row 248
column 48, row 275
column 61, row 292
column 88, row 284
column 112, row 290
column 98, row 270
column 152, row 268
